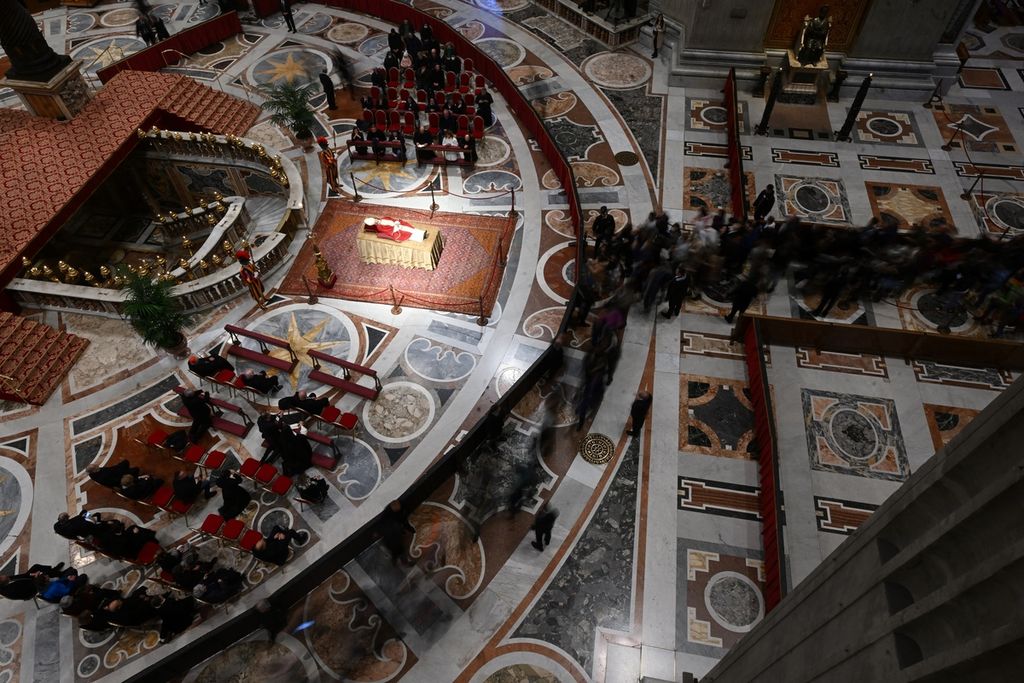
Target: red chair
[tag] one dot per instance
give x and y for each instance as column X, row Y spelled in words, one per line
column 330, row 414
column 381, row 119
column 410, row 123
column 180, row 507
column 162, row 498
column 368, row 117
column 439, row 98
column 214, row 459
column 450, row 82
column 281, row 485
column 421, row 99
column 232, row 530
column 194, row 454
column 249, row 468
column 156, row 438
column 478, row 127
column 480, row 82
column 463, row 125
column 465, row 81
column 249, row 540
column 396, row 121
column 467, row 64
column 148, row 554
column 224, row 376
column 375, row 93
column 392, row 96
column 348, row 422
column 265, row 474
column 410, row 79
column 435, row 122
column 393, row 77
column 211, row 526
column 470, row 99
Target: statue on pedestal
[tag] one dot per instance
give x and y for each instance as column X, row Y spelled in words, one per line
column 814, row 38
column 32, row 59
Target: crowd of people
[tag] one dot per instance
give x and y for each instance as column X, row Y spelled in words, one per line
column 830, row 266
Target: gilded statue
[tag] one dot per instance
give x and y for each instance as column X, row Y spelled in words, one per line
column 814, row 37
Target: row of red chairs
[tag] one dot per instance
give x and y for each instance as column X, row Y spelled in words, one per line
column 195, row 454
column 397, row 98
column 232, row 532
column 233, row 383
column 461, row 82
column 394, row 121
column 266, row 476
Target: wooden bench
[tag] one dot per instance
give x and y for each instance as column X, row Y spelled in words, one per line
column 263, row 355
column 218, row 422
column 344, row 383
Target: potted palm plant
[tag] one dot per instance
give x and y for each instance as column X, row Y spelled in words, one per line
column 155, row 315
column 288, row 104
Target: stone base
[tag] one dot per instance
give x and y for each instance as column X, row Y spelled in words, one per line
column 60, row 98
column 607, row 30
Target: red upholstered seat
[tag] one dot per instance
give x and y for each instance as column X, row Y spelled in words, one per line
column 214, row 459
column 266, row 473
column 249, row 468
column 250, row 539
column 281, row 485
column 156, row 437
column 194, row 454
column 212, row 524
column 330, row 414
column 348, row 420
column 166, row 576
column 224, row 376
column 148, row 553
column 162, row 497
column 467, row 64
column 232, row 529
column 180, row 507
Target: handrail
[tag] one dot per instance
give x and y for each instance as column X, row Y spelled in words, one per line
column 187, row 655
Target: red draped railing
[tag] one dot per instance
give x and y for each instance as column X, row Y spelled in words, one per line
column 735, row 163
column 168, row 52
column 769, row 496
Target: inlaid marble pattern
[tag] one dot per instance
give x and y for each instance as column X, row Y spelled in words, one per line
column 724, row 596
column 840, row 516
column 853, row 363
column 643, row 114
column 101, row 362
column 715, row 417
column 593, row 587
column 706, row 344
column 822, row 200
column 945, row 422
column 617, row 70
column 718, row 498
column 982, row 128
column 978, row 378
column 909, row 205
column 556, row 31
column 522, row 673
column 887, row 128
column 574, row 139
column 923, row 308
column 709, row 188
column 851, row 434
column 710, row 115
column 17, row 492
column 999, row 213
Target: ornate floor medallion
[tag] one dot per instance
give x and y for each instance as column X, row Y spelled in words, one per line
column 597, row 449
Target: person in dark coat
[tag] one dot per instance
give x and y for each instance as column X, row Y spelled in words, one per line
column 261, row 381
column 468, row 143
column 677, row 289
column 197, row 402
column 764, row 202
column 286, row 12
column 209, row 365
column 484, row 100
column 422, row 139
column 75, row 528
column 93, row 621
column 111, row 475
column 160, row 29
column 26, row 585
column 328, row 85
column 295, row 451
column 236, row 498
column 638, row 412
column 307, row 403
column 144, row 30
column 603, row 227
column 542, row 526
column 395, row 43
column 187, row 487
column 131, row 611
column 218, row 586
column 139, row 488
column 274, row 548
column 176, row 615
column 394, row 524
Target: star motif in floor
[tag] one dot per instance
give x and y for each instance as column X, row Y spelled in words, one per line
column 302, row 343
column 289, row 70
column 973, row 127
column 383, row 175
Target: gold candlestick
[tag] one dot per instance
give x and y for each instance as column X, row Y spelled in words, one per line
column 186, row 244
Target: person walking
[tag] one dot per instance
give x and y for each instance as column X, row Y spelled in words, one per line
column 657, row 33
column 676, row 292
column 542, row 526
column 160, row 28
column 286, row 12
column 764, row 202
column 328, row 86
column 638, row 412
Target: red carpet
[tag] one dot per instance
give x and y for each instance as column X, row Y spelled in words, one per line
column 470, row 267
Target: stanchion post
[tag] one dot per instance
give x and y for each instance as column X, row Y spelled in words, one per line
column 355, row 188
column 395, row 308
column 482, row 320
column 966, row 194
column 513, row 210
column 433, row 204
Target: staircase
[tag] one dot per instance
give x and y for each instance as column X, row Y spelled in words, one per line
column 34, row 358
column 210, row 109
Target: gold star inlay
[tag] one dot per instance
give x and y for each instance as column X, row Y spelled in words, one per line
column 302, row 343
column 382, row 174
column 288, row 70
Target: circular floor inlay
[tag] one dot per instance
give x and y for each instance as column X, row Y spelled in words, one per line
column 1009, row 213
column 626, row 158
column 597, row 449
column 402, row 412
column 812, row 199
column 119, row 17
column 714, row 115
column 502, row 50
column 347, row 32
column 617, row 70
column 734, row 601
column 854, row 434
column 1014, row 41
column 884, row 127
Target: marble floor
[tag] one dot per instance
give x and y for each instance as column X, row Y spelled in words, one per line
column 655, row 566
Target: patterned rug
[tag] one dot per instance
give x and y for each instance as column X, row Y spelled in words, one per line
column 470, row 266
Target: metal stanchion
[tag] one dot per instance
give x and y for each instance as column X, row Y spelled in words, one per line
column 513, row 210
column 433, row 204
column 355, row 188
